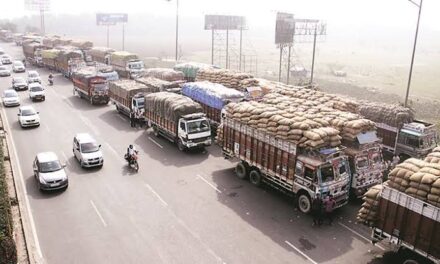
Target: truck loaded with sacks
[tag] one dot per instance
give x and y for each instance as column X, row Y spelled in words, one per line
column 212, row 97
column 100, row 54
column 32, row 52
column 405, row 210
column 89, row 86
column 128, row 95
column 177, row 118
column 401, row 134
column 127, row 64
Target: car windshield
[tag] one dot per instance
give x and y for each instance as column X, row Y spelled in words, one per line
column 89, row 147
column 50, row 166
column 327, row 173
column 9, row 95
column 28, row 112
column 17, row 63
column 33, row 75
column 36, row 89
column 198, row 126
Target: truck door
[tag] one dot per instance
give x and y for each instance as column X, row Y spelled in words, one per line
column 182, row 129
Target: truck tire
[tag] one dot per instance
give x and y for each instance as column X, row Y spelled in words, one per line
column 242, row 170
column 304, row 202
column 255, row 177
column 180, row 145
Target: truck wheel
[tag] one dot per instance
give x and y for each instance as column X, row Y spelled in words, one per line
column 241, row 170
column 180, row 145
column 255, row 177
column 304, row 202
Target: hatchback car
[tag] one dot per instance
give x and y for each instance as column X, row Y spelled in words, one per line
column 4, row 71
column 18, row 66
column 49, row 172
column 87, row 151
column 6, row 59
column 28, row 117
column 33, row 76
column 36, row 92
column 19, row 83
column 10, row 98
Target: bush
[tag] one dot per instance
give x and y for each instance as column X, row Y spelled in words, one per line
column 8, row 251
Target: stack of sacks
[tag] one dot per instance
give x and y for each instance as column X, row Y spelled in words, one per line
column 434, row 193
column 219, row 136
column 434, row 156
column 228, row 78
column 368, row 213
column 190, row 69
column 421, row 182
column 249, row 82
column 165, row 74
column 171, row 106
column 399, row 177
column 391, row 114
column 271, row 86
column 355, row 127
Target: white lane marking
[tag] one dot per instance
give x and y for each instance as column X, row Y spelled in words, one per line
column 46, row 127
column 359, row 235
column 155, row 142
column 98, row 213
column 20, row 172
column 300, row 252
column 156, row 194
column 65, row 158
column 121, row 117
column 89, row 124
column 115, row 153
column 210, row 184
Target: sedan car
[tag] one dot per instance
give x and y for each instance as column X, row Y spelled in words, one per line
column 36, row 92
column 49, row 172
column 33, row 76
column 4, row 71
column 10, row 98
column 6, row 59
column 19, row 83
column 18, row 66
column 28, row 117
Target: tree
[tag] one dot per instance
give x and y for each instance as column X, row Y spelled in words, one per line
column 9, row 26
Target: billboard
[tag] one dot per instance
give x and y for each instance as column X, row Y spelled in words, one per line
column 221, row 22
column 37, row 4
column 111, row 18
column 284, row 28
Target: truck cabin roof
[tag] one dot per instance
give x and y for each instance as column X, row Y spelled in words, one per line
column 317, row 158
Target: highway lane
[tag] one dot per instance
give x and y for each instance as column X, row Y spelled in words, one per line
column 180, row 207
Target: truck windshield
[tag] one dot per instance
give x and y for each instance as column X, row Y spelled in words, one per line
column 362, row 162
column 198, row 126
column 100, row 87
column 428, row 141
column 135, row 66
column 327, row 173
column 140, row 103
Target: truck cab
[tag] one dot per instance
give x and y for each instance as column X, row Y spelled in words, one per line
column 416, row 139
column 137, row 102
column 324, row 172
column 135, row 68
column 193, row 130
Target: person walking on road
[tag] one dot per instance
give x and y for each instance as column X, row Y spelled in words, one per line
column 317, row 208
column 132, row 119
column 329, row 206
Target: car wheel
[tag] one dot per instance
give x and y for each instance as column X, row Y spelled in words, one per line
column 81, row 163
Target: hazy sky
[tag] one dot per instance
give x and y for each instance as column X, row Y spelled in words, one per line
column 392, row 13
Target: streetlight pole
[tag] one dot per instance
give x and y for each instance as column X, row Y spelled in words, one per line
column 177, row 28
column 414, row 50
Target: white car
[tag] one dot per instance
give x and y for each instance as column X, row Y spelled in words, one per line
column 49, row 172
column 87, row 151
column 4, row 71
column 10, row 98
column 33, row 76
column 19, row 83
column 18, row 66
column 36, row 92
column 6, row 59
column 27, row 116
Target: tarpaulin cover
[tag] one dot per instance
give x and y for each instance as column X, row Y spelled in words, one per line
column 100, row 52
column 50, row 54
column 127, row 88
column 171, row 106
column 211, row 94
column 121, row 57
column 164, row 74
column 190, row 69
column 155, row 84
column 82, row 44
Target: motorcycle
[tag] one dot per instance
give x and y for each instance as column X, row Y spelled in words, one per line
column 50, row 81
column 133, row 161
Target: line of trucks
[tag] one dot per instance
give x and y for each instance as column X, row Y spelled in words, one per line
column 365, row 159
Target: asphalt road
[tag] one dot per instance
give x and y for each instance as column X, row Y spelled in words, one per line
column 179, row 208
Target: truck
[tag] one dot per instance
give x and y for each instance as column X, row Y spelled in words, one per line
column 212, row 97
column 84, row 46
column 127, row 64
column 100, row 54
column 6, row 35
column 49, row 57
column 159, row 85
column 128, row 95
column 32, row 52
column 18, row 38
column 90, row 86
column 67, row 59
column 297, row 171
column 366, row 162
column 178, row 119
column 410, row 224
column 401, row 134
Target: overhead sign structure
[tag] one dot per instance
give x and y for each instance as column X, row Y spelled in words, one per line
column 106, row 19
column 284, row 28
column 37, row 5
column 222, row 22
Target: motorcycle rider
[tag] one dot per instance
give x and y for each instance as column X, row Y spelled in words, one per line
column 50, row 79
column 131, row 152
